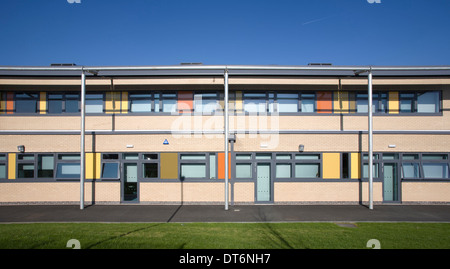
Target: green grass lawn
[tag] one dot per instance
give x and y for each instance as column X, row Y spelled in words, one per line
column 224, row 235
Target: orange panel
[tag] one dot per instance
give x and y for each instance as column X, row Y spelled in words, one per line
column 324, row 102
column 185, row 101
column 221, row 165
column 9, row 103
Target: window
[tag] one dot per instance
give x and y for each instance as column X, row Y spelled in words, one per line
column 410, row 170
column 63, row 103
column 212, row 166
column 406, row 102
column 308, row 102
column 428, row 102
column 283, row 170
column 287, row 103
column 94, row 103
column 307, row 166
column 26, row 102
column 362, row 101
column 255, row 102
column 345, row 165
column 206, row 102
column 110, row 170
column 243, row 170
column 25, row 166
column 435, row 170
column 150, row 165
column 194, row 166
column 169, row 102
column 3, row 166
column 68, row 166
column 140, row 102
column 375, row 167
column 45, row 166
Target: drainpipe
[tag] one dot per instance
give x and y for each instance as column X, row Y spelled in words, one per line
column 82, row 135
column 226, row 137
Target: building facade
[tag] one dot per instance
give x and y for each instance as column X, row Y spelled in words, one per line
column 156, row 136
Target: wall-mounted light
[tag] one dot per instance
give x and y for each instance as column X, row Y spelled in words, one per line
column 21, row 148
column 392, row 146
column 301, row 148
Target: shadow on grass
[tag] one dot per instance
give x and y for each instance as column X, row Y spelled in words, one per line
column 122, row 235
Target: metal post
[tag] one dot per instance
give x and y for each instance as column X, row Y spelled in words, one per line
column 370, row 140
column 226, row 137
column 82, row 150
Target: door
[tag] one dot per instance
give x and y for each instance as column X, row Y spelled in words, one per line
column 130, row 183
column 263, row 182
column 390, row 183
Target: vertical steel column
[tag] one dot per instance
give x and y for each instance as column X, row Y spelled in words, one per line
column 370, row 140
column 82, row 150
column 226, row 137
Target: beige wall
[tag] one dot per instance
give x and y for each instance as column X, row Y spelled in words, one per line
column 21, row 192
column 426, row 192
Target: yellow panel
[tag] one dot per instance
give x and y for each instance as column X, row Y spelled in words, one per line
column 238, row 105
column 169, row 165
column 116, row 100
column 355, row 165
column 11, row 166
column 393, row 103
column 331, row 165
column 341, row 102
column 43, row 103
column 93, row 165
column 109, row 103
column 124, row 102
column 2, row 102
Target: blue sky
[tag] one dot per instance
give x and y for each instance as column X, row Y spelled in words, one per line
column 250, row 32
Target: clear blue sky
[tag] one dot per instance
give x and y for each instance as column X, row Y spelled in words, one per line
column 251, row 32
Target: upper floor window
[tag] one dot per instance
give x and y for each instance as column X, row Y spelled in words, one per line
column 63, row 103
column 26, row 102
column 140, row 102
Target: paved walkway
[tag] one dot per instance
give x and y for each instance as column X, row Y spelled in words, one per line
column 217, row 213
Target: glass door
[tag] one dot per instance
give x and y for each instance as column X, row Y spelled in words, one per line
column 130, row 183
column 263, row 182
column 390, row 183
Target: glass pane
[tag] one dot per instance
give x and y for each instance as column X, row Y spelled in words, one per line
column 366, row 170
column 193, row 156
column 243, row 170
column 193, row 170
column 110, row 156
column 307, row 156
column 390, row 156
column 428, row 102
column 25, row 106
column 287, row 103
column 2, row 170
column 150, row 156
column 25, row 170
column 307, row 170
column 283, row 170
column 410, row 170
column 110, row 170
column 55, row 106
column 263, row 156
column 28, row 157
column 243, row 156
column 434, row 157
column 212, row 166
column 2, row 157
column 435, row 170
column 410, row 156
column 72, row 106
column 141, row 105
column 130, row 182
column 308, row 105
column 255, row 105
column 94, row 103
column 45, row 165
column 68, row 170
column 150, row 170
column 130, row 156
column 283, row 156
column 69, row 157
column 169, row 105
